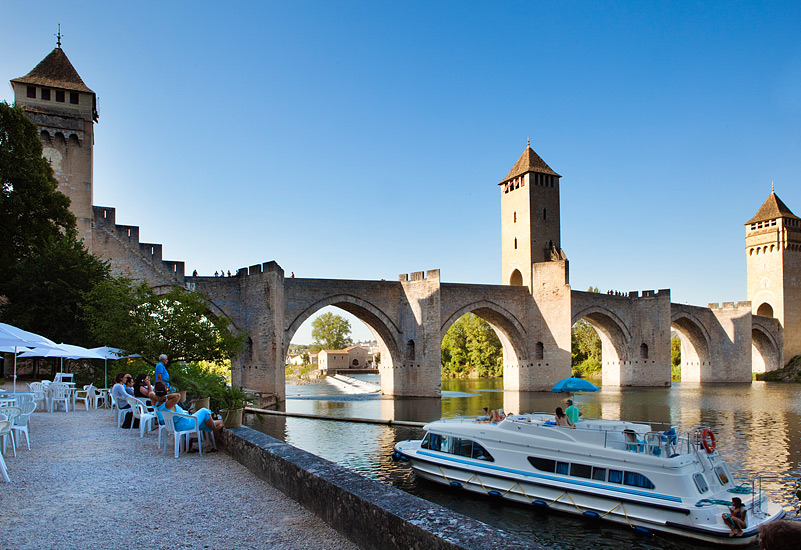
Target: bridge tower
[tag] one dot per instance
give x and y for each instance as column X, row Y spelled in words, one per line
column 532, row 256
column 64, row 109
column 773, row 260
column 530, row 226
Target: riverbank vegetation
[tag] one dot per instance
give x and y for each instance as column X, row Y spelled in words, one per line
column 791, row 372
column 471, row 349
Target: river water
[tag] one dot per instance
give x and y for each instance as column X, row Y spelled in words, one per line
column 758, row 428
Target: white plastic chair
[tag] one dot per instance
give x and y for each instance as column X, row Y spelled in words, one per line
column 10, row 414
column 141, row 412
column 5, row 428
column 63, row 377
column 88, row 395
column 20, row 425
column 120, row 413
column 39, row 393
column 178, row 436
column 58, row 392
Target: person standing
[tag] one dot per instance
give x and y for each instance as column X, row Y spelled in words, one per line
column 572, row 412
column 161, row 372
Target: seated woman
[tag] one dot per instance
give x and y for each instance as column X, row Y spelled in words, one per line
column 129, row 389
column 118, row 391
column 735, row 519
column 169, row 401
column 142, row 387
column 562, row 420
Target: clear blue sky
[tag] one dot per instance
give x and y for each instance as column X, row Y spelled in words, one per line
column 363, row 140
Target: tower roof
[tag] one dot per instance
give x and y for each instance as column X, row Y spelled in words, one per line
column 771, row 209
column 529, row 161
column 55, row 71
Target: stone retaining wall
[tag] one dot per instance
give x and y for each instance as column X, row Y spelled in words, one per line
column 370, row 513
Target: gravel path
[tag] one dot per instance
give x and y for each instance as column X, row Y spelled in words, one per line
column 86, row 483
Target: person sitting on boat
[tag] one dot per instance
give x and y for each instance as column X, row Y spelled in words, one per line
column 572, row 412
column 735, row 519
column 485, row 415
column 497, row 416
column 562, row 420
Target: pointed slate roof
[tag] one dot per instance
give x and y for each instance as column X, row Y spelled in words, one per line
column 771, row 209
column 529, row 161
column 55, row 71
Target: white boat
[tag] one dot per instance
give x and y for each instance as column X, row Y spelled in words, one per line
column 625, row 472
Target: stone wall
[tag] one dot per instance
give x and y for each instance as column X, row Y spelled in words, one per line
column 370, row 513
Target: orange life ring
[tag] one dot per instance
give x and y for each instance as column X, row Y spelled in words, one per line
column 708, row 440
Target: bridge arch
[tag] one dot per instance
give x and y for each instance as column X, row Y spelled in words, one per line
column 615, row 340
column 765, row 350
column 509, row 329
column 380, row 324
column 696, row 357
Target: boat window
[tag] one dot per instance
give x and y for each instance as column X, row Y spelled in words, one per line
column 700, row 482
column 721, row 473
column 424, row 442
column 439, row 442
column 615, row 476
column 481, row 453
column 581, row 470
column 543, row 464
column 637, row 480
column 562, row 467
column 462, row 447
column 599, row 474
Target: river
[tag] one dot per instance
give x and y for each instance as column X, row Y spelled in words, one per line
column 757, row 427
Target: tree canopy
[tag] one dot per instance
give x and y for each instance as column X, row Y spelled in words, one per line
column 330, row 331
column 471, row 348
column 136, row 319
column 33, row 213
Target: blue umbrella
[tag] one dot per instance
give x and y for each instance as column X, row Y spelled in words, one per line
column 568, row 385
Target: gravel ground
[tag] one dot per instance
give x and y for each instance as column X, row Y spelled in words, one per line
column 86, row 483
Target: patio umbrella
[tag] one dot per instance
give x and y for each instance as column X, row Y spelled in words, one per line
column 12, row 336
column 64, row 351
column 567, row 385
column 113, row 354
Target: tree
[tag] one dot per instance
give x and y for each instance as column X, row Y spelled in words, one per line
column 46, row 290
column 33, row 213
column 471, row 347
column 177, row 323
column 675, row 358
column 585, row 348
column 330, row 331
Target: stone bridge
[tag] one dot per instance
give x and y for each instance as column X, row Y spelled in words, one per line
column 410, row 317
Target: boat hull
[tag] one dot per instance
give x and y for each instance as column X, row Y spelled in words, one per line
column 643, row 515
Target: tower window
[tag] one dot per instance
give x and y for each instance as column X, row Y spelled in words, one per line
column 60, row 96
column 74, row 97
column 46, row 94
column 515, row 220
column 32, row 91
column 544, row 213
column 539, row 351
column 515, row 243
column 644, row 351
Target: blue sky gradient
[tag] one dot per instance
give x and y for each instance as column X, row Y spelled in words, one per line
column 363, row 140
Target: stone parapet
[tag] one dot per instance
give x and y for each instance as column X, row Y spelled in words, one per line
column 370, row 513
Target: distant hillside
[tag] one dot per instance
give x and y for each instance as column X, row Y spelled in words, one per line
column 790, row 373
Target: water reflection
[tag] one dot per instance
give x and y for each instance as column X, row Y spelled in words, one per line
column 757, row 426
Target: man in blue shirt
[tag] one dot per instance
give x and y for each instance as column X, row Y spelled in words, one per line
column 161, row 371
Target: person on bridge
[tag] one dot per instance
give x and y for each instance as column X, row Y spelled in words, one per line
column 572, row 412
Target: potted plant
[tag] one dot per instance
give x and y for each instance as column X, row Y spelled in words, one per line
column 233, row 401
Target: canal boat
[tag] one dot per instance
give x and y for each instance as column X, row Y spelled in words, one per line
column 648, row 477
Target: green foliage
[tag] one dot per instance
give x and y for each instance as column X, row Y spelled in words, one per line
column 330, row 331
column 177, row 323
column 45, row 293
column 471, row 348
column 33, row 213
column 675, row 359
column 791, row 372
column 234, row 397
column 585, row 350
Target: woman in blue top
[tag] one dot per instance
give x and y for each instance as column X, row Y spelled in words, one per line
column 169, row 401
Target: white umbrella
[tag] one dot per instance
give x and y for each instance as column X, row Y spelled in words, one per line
column 64, row 351
column 15, row 337
column 110, row 353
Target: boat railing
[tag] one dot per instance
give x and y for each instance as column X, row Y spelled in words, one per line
column 758, row 492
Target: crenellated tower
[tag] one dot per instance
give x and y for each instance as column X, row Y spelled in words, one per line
column 64, row 109
column 773, row 260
